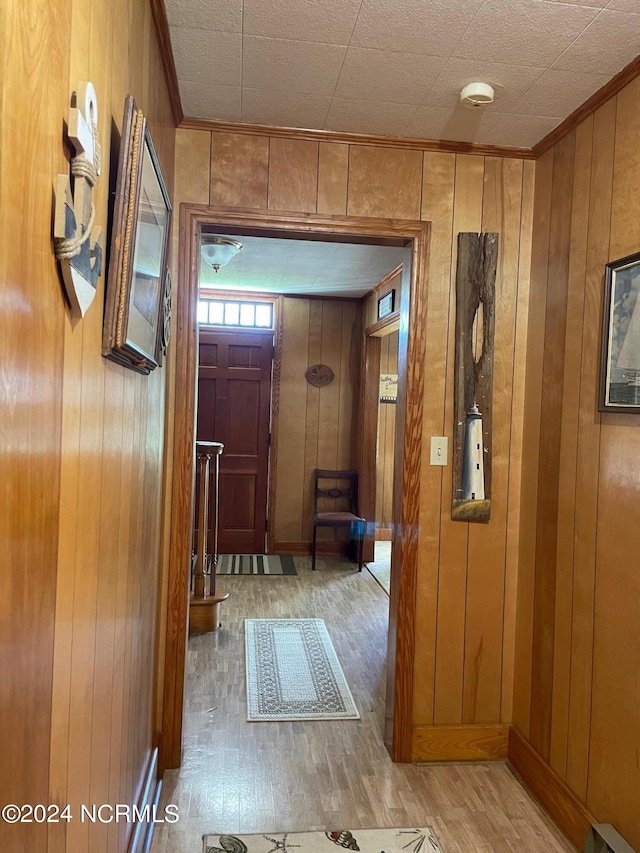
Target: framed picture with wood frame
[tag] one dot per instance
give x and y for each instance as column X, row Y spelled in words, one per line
column 620, row 360
column 387, row 304
column 136, row 279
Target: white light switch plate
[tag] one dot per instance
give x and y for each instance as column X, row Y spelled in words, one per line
column 439, row 449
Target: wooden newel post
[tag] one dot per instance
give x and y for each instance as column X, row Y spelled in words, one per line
column 204, row 459
column 204, row 610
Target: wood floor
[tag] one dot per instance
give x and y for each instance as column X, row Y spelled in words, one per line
column 240, row 777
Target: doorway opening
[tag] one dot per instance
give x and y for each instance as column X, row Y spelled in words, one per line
column 380, row 567
column 411, row 321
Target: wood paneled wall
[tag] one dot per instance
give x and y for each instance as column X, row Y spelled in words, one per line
column 467, row 572
column 386, row 438
column 316, row 426
column 82, row 445
column 578, row 647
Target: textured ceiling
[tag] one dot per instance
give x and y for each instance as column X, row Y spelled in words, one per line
column 303, row 267
column 395, row 67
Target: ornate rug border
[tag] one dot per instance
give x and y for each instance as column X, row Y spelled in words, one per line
column 332, row 666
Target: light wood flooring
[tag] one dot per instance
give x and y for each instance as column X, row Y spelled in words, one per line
column 380, row 567
column 240, row 777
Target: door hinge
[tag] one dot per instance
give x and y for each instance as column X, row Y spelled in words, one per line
column 269, row 440
column 273, row 353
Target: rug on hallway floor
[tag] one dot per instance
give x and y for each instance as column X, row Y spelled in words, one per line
column 407, row 840
column 255, row 564
column 293, row 672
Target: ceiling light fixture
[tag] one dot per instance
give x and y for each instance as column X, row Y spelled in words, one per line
column 477, row 95
column 218, row 251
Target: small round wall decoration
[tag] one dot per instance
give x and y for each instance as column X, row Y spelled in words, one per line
column 319, row 375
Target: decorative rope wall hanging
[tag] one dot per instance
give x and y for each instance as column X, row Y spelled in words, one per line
column 78, row 244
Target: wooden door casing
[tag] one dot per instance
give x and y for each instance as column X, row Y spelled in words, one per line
column 234, row 404
column 402, row 606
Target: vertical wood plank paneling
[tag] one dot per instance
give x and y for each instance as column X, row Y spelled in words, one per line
column 588, row 453
column 384, row 182
column 193, row 184
column 67, row 425
column 71, row 408
column 239, row 170
column 331, row 354
column 614, row 774
column 552, row 373
column 293, row 401
column 34, row 41
column 568, row 447
column 449, row 674
column 123, row 537
column 350, row 349
column 314, row 424
column 531, row 442
column 82, row 664
column 437, row 207
column 333, row 176
column 486, row 557
column 625, row 227
column 293, row 174
column 594, row 650
column 312, row 414
column 109, row 412
column 105, row 625
column 329, row 397
column 517, row 449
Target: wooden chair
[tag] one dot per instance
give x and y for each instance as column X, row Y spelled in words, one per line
column 338, row 517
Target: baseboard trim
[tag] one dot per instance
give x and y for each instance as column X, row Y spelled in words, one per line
column 553, row 792
column 303, row 549
column 151, row 826
column 148, row 795
column 460, row 743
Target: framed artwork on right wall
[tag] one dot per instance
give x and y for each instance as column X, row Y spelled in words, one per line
column 620, row 360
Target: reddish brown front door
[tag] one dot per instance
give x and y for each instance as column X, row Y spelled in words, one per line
column 234, row 399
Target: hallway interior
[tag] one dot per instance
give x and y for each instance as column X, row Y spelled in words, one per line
column 240, row 777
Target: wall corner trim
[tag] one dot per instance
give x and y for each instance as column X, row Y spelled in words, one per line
column 604, row 94
column 460, row 743
column 161, row 24
column 550, row 789
column 149, row 795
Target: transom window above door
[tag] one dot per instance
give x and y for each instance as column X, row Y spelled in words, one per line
column 246, row 315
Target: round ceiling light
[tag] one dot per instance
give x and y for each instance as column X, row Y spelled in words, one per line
column 218, row 251
column 477, row 95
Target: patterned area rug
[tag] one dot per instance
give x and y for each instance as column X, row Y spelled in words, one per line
column 255, row 564
column 293, row 672
column 364, row 840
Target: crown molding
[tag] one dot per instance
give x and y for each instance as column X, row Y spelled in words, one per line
column 358, row 138
column 161, row 23
column 608, row 91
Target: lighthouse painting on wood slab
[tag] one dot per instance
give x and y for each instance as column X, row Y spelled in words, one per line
column 475, row 325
